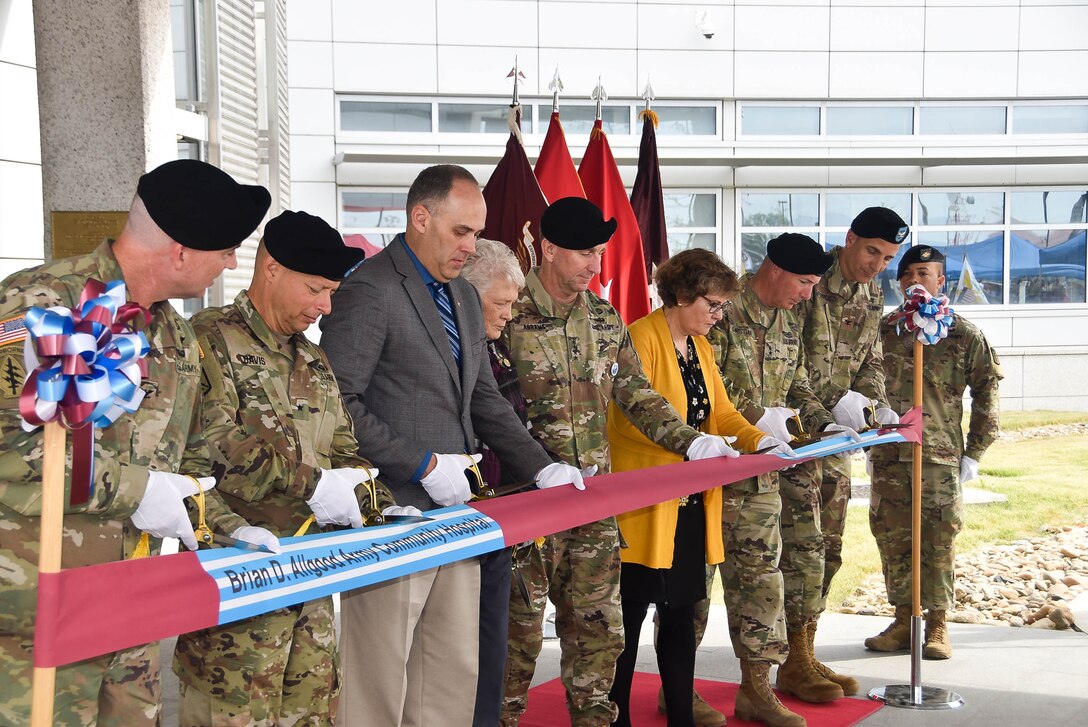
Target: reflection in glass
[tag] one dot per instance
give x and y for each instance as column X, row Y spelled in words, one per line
column 1053, row 207
column 962, row 120
column 690, row 210
column 385, row 116
column 754, row 247
column 678, row 242
column 578, row 119
column 840, row 209
column 1047, row 266
column 961, row 208
column 974, row 264
column 375, row 210
column 468, row 118
column 686, row 120
column 1050, row 119
column 870, row 120
column 777, row 120
column 779, row 209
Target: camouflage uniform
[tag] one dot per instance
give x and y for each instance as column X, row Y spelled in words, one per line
column 570, row 364
column 963, row 359
column 163, row 435
column 842, row 349
column 759, row 354
column 274, row 418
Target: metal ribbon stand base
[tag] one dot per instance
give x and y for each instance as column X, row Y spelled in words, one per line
column 915, row 695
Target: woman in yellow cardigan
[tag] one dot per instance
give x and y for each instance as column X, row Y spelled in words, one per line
column 670, row 544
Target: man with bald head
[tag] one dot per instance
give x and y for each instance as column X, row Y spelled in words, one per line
column 183, row 228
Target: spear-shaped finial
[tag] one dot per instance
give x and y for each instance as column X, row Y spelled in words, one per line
column 555, row 87
column 599, row 96
column 648, row 93
column 518, row 77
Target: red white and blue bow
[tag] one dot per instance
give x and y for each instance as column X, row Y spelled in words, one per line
column 926, row 316
column 85, row 367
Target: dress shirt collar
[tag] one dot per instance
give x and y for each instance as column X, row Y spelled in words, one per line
column 428, row 279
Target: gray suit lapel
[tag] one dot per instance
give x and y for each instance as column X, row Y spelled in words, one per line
column 425, row 308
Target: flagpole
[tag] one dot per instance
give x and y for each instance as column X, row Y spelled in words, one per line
column 43, row 683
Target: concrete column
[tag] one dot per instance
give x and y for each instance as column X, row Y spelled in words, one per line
column 105, row 100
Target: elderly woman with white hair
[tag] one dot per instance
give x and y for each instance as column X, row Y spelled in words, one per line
column 494, row 271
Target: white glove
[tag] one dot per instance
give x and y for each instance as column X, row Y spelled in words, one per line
column 844, row 431
column 560, row 473
column 446, row 484
column 774, row 420
column 334, row 501
column 968, row 469
column 258, row 536
column 706, row 446
column 162, row 510
column 780, row 447
column 884, row 415
column 850, row 411
column 402, row 510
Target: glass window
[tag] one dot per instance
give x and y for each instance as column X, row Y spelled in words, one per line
column 780, row 210
column 961, row 208
column 385, row 116
column 374, row 210
column 687, row 120
column 1050, row 119
column 679, row 242
column 578, row 119
column 1047, row 266
column 1054, row 207
column 186, row 17
column 889, row 284
column 870, row 120
column 692, row 220
column 962, row 120
column 775, row 120
column 974, row 264
column 840, row 209
column 476, row 118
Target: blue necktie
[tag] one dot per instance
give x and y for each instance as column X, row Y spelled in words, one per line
column 445, row 311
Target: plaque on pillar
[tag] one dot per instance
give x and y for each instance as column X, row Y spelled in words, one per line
column 78, row 233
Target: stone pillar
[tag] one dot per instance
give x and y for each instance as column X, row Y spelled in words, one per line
column 105, row 100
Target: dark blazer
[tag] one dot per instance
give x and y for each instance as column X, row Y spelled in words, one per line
column 401, row 384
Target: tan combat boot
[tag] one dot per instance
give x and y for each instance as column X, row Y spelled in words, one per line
column 704, row 714
column 896, row 637
column 798, row 676
column 936, row 645
column 756, row 701
column 849, row 685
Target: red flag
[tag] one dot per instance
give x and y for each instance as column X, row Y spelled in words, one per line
column 554, row 168
column 646, row 198
column 623, row 268
column 515, row 202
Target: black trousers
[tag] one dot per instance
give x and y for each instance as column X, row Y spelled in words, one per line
column 494, row 619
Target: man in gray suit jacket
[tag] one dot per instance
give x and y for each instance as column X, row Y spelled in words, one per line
column 406, row 342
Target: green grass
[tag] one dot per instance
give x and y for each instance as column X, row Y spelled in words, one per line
column 1014, row 420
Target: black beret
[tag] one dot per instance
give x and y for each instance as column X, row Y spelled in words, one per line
column 201, row 206
column 798, row 254
column 918, row 254
column 880, row 223
column 575, row 223
column 307, row 244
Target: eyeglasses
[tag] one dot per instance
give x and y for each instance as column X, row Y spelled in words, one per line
column 715, row 307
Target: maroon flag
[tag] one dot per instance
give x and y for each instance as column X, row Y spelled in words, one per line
column 646, row 198
column 514, row 200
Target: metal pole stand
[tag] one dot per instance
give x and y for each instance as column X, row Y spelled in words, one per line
column 916, row 695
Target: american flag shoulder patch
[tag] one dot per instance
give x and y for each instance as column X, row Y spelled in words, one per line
column 13, row 330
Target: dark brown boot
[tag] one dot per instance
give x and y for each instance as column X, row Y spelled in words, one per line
column 896, row 637
column 849, row 685
column 937, row 645
column 704, row 714
column 756, row 701
column 798, row 676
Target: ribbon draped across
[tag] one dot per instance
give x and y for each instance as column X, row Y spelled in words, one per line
column 85, row 366
column 926, row 316
column 84, row 612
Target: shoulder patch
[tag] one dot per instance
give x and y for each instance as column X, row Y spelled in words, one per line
column 12, row 372
column 13, row 330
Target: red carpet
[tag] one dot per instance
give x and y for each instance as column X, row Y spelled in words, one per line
column 548, row 705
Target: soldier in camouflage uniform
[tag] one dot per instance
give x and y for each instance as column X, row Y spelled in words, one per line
column 282, row 445
column 962, row 360
column 842, row 350
column 182, row 230
column 573, row 355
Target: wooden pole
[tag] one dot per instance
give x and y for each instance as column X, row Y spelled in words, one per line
column 916, row 493
column 43, row 685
